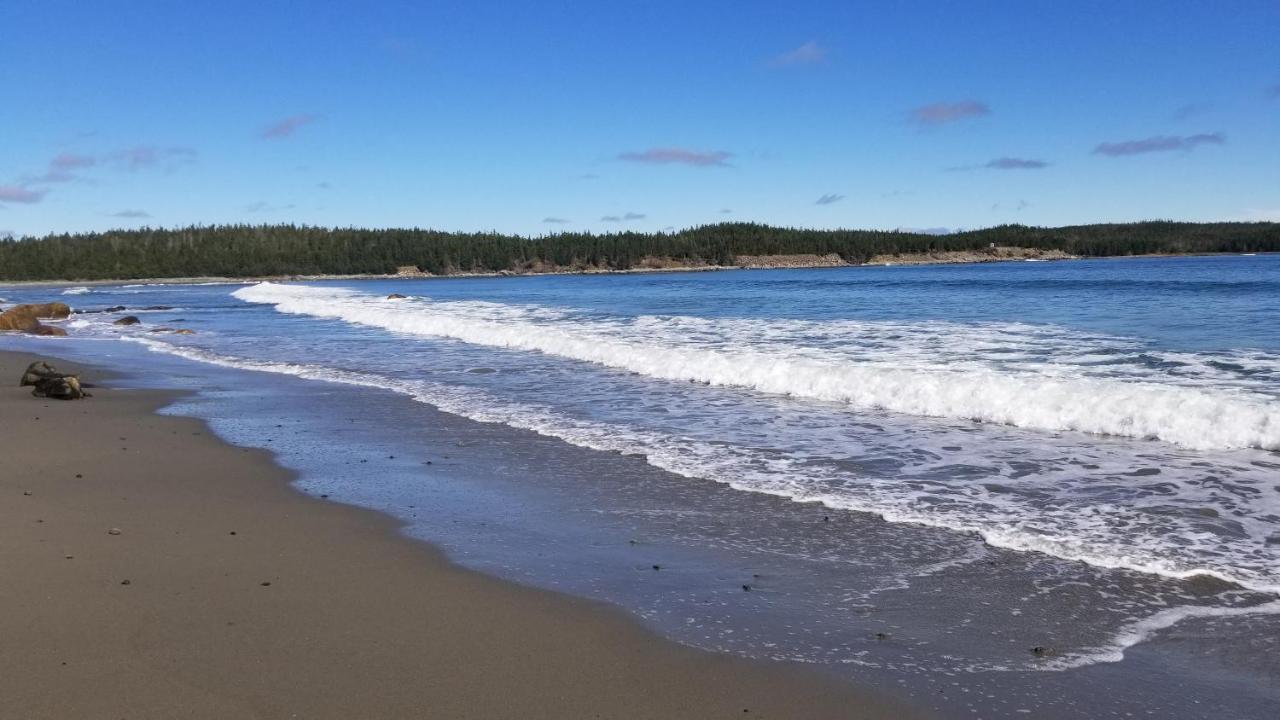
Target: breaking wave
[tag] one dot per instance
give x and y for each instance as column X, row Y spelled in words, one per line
column 902, row 378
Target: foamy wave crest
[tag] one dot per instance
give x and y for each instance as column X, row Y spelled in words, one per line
column 1041, row 398
column 737, row 468
column 1142, row 630
column 1243, row 564
column 77, row 291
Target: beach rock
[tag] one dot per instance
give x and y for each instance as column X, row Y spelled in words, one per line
column 395, row 296
column 48, row 331
column 113, row 531
column 28, row 317
column 66, row 387
column 38, row 370
column 184, row 331
column 157, row 307
column 127, row 320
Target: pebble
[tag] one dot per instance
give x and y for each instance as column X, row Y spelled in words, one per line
column 125, row 582
column 113, row 531
column 266, row 583
column 26, row 492
column 657, row 567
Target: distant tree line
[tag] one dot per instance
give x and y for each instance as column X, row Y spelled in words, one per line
column 258, row 250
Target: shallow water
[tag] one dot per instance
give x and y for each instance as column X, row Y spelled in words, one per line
column 910, row 474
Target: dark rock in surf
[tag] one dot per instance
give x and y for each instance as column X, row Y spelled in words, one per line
column 128, row 320
column 396, row 296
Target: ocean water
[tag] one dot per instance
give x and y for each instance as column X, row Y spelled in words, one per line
column 891, row 472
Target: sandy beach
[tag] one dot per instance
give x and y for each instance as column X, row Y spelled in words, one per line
column 151, row 570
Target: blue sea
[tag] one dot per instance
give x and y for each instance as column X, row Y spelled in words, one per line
column 908, row 475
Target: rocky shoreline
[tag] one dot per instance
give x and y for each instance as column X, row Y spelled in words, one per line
column 645, row 265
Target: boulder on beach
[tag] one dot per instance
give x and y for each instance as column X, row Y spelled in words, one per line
column 127, row 320
column 38, row 370
column 27, row 317
column 47, row 330
column 50, row 383
column 66, row 387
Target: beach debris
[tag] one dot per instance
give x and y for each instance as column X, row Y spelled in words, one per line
column 113, row 531
column 657, row 567
column 126, row 581
column 265, row 583
column 128, row 320
column 1041, row 651
column 746, row 588
column 882, row 636
column 26, row 492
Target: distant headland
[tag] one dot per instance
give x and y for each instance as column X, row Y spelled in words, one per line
column 252, row 251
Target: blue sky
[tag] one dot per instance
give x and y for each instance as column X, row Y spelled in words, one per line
column 546, row 116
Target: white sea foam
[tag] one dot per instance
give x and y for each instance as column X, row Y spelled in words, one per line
column 1144, row 629
column 742, row 470
column 898, row 377
column 1087, row 540
column 77, row 291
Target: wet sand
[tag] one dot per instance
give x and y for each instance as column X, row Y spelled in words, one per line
column 226, row 593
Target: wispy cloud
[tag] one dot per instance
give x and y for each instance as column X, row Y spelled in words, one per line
column 62, row 168
column 623, row 218
column 1013, row 163
column 1158, row 143
column 262, row 206
column 807, row 54
column 552, row 220
column 287, row 127
column 1190, row 110
column 726, row 211
column 941, row 113
column 140, row 157
column 828, row 199
column 20, row 194
column 131, row 214
column 678, row 156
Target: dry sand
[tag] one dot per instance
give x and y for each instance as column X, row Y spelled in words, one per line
column 227, row 594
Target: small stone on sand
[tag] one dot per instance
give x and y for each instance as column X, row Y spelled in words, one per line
column 113, row 531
